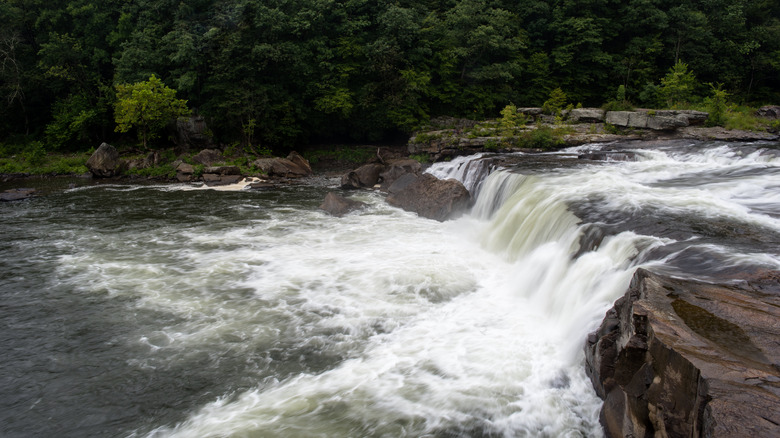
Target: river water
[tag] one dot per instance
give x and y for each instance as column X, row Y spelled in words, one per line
column 168, row 311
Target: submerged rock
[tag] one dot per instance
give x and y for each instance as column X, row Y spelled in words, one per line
column 16, row 194
column 338, row 206
column 429, row 196
column 104, row 163
column 680, row 358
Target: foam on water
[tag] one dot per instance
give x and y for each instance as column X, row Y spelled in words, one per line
column 283, row 321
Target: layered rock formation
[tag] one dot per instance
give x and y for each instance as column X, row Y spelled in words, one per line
column 680, row 358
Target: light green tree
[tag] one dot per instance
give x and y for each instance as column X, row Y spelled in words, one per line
column 678, row 85
column 147, row 106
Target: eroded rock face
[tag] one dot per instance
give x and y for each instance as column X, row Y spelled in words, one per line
column 429, row 196
column 104, row 163
column 680, row 358
column 192, row 133
column 338, row 205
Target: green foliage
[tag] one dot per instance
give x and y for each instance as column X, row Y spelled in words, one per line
column 717, row 106
column 555, row 103
column 678, row 86
column 620, row 103
column 286, row 73
column 147, row 106
column 543, row 137
column 511, row 120
column 35, row 154
column 197, row 170
column 422, row 158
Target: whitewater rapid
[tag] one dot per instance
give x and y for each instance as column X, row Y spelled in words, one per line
column 254, row 314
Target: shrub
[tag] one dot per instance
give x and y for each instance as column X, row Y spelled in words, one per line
column 717, row 106
column 555, row 103
column 678, row 86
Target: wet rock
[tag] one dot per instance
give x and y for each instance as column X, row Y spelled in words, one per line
column 607, row 156
column 213, row 179
column 396, row 168
column 429, row 196
column 337, row 205
column 208, row 157
column 683, row 358
column 362, row 177
column 16, row 194
column 104, row 163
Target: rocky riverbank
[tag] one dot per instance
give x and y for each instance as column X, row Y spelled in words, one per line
column 680, row 358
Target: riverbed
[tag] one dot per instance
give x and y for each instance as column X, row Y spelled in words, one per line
column 159, row 310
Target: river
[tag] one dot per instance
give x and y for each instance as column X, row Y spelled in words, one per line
column 168, row 311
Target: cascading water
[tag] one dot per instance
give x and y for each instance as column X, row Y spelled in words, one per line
column 157, row 311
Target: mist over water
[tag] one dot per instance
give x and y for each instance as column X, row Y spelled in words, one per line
column 164, row 311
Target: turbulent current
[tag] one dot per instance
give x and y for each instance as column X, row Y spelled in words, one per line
column 168, row 311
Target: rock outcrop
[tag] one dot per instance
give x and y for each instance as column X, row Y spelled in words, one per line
column 429, row 196
column 337, row 205
column 104, row 163
column 680, row 358
column 192, row 133
column 769, row 111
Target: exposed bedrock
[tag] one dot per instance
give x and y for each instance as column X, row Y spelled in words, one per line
column 682, row 358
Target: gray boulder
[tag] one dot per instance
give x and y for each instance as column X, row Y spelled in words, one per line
column 429, row 196
column 395, row 169
column 362, row 177
column 337, row 205
column 104, row 163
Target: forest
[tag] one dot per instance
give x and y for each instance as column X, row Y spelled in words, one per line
column 282, row 73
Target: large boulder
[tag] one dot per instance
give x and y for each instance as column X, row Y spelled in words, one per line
column 301, row 162
column 429, row 196
column 104, row 163
column 362, row 177
column 208, row 157
column 283, row 167
column 681, row 358
column 337, row 205
column 396, row 168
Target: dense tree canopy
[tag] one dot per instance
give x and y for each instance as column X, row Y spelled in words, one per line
column 290, row 71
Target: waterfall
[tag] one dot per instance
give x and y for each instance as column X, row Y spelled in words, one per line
column 213, row 314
